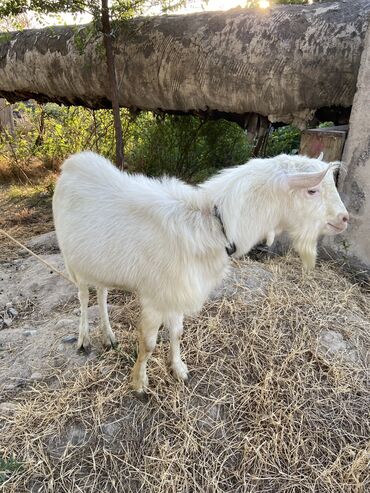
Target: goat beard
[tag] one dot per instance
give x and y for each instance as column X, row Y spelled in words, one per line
column 306, row 247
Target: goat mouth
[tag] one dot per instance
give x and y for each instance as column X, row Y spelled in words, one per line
column 337, row 229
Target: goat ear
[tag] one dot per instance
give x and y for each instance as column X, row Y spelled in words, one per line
column 305, row 180
column 321, row 156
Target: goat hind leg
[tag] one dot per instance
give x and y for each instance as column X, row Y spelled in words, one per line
column 147, row 334
column 109, row 338
column 83, row 343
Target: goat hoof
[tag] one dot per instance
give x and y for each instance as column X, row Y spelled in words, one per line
column 84, row 349
column 109, row 344
column 142, row 396
column 180, row 371
column 139, row 384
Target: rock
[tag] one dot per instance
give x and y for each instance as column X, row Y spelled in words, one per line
column 30, row 332
column 119, row 429
column 58, row 361
column 37, row 376
column 45, row 243
column 110, row 430
column 244, row 282
column 7, row 316
column 34, row 281
column 12, row 311
column 69, row 339
column 74, row 435
column 7, row 408
column 333, row 341
column 9, row 386
column 6, row 322
column 334, row 345
column 65, row 323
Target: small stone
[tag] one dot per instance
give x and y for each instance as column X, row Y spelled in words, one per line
column 76, row 311
column 69, row 339
column 10, row 386
column 13, row 312
column 9, row 304
column 7, row 321
column 59, row 361
column 20, row 383
column 45, row 242
column 8, row 408
column 37, row 376
column 110, row 430
column 333, row 341
column 65, row 323
column 30, row 332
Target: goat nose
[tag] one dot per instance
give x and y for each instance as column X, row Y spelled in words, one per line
column 343, row 217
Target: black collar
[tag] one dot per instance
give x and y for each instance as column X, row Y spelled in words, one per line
column 230, row 247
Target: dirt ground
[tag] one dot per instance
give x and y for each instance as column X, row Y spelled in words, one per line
column 278, row 397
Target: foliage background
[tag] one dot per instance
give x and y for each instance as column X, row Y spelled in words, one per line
column 183, row 146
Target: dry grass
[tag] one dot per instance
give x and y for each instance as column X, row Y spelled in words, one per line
column 25, row 171
column 265, row 409
column 25, row 212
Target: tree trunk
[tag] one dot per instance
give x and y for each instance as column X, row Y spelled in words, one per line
column 6, row 117
column 107, row 38
column 283, row 63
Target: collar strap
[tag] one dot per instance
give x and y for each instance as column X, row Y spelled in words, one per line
column 230, row 247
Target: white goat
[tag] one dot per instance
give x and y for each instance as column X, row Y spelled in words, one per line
column 170, row 242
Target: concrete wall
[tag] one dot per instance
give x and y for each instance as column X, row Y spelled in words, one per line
column 354, row 182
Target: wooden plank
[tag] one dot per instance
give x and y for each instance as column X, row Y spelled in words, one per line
column 328, row 140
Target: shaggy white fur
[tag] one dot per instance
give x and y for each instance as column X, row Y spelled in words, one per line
column 162, row 238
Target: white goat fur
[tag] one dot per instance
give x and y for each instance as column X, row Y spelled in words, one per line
column 161, row 238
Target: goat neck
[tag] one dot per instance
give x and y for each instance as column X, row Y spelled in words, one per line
column 250, row 203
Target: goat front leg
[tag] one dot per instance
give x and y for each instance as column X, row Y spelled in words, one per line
column 109, row 338
column 83, row 343
column 147, row 331
column 174, row 324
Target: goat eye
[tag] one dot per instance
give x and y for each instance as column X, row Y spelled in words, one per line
column 312, row 192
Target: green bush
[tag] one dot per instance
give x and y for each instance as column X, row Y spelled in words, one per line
column 51, row 132
column 186, row 146
column 183, row 146
column 283, row 140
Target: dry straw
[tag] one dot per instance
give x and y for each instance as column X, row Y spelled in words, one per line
column 266, row 408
